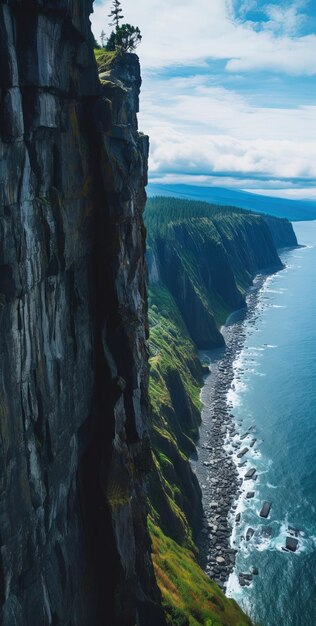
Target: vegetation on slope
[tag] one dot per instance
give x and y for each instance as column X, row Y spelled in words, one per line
column 190, row 598
column 104, row 59
column 202, row 258
column 162, row 212
column 174, row 386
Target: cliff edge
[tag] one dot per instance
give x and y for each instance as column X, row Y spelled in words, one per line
column 74, row 446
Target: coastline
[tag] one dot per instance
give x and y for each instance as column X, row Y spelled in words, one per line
column 219, row 439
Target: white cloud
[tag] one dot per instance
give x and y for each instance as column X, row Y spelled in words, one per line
column 184, row 32
column 209, row 155
column 197, row 127
column 285, row 20
column 190, row 103
column 292, row 194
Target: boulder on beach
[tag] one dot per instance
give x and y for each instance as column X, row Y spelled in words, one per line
column 220, row 560
column 265, row 510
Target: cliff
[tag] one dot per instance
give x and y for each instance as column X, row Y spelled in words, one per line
column 75, row 417
column 73, row 369
column 282, row 234
column 201, row 260
column 207, row 257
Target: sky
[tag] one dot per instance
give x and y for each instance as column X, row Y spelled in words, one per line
column 229, row 91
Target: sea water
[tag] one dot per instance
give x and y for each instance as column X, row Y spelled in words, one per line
column 273, row 398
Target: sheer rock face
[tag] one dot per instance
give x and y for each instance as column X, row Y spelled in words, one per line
column 202, row 262
column 282, row 232
column 73, row 371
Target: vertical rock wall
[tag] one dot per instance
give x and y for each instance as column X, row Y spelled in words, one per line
column 74, row 450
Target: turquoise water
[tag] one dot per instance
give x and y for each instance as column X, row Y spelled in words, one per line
column 274, row 393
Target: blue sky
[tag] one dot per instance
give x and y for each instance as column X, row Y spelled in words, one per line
column 229, row 91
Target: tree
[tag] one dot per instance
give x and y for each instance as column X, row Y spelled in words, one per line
column 111, row 42
column 95, row 43
column 126, row 38
column 116, row 14
column 102, row 37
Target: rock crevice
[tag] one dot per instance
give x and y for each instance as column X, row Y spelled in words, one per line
column 73, row 370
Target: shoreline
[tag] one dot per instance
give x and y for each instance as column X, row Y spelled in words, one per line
column 214, row 466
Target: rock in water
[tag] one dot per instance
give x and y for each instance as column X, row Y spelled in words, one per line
column 250, row 473
column 291, row 544
column 249, row 533
column 250, row 494
column 242, row 452
column 265, row 510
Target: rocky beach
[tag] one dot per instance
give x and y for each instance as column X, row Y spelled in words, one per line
column 220, row 437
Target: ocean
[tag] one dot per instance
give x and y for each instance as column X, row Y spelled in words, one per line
column 272, row 398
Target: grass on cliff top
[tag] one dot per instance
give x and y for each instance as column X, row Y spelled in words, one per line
column 189, row 597
column 104, row 59
column 162, row 211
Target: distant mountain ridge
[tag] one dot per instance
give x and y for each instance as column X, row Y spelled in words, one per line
column 294, row 210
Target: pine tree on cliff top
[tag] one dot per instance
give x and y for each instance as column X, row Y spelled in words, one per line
column 116, row 14
column 125, row 38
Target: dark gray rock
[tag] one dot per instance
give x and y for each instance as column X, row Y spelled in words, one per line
column 291, row 544
column 249, row 533
column 265, row 510
column 74, row 444
column 250, row 473
column 242, row 453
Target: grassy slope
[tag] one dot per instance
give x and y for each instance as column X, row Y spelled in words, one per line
column 190, row 598
column 172, row 357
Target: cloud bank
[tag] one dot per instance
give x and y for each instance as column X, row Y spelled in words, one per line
column 227, row 90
